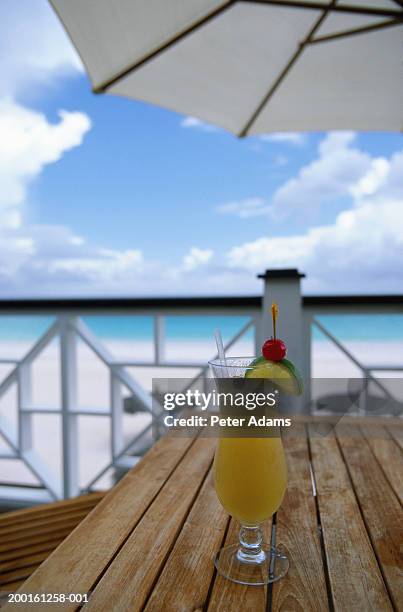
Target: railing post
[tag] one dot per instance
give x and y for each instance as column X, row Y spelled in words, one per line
column 306, row 363
column 284, row 288
column 258, row 334
column 116, row 415
column 24, row 400
column 68, row 365
column 159, row 339
column 364, row 396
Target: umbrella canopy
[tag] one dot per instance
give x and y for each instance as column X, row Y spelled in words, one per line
column 250, row 66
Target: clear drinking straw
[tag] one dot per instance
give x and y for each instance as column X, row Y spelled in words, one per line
column 220, row 349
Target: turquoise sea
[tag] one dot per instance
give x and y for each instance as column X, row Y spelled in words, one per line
column 379, row 328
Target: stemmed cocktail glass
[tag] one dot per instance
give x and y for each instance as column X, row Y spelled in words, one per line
column 250, row 477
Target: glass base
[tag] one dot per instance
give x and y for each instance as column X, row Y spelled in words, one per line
column 270, row 565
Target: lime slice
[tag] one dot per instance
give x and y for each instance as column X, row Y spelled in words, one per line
column 283, row 373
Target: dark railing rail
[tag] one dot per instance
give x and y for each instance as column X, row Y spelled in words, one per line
column 33, row 305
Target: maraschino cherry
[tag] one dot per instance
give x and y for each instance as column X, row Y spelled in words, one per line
column 274, row 349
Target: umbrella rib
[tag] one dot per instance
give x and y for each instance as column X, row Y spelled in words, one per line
column 285, row 70
column 369, row 11
column 163, row 47
column 375, row 26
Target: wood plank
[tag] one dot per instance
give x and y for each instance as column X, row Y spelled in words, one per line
column 354, row 575
column 77, row 563
column 19, row 545
column 25, row 561
column 379, row 506
column 13, row 586
column 42, row 520
column 20, row 573
column 228, row 596
column 15, row 516
column 128, row 581
column 397, row 434
column 16, row 532
column 304, row 587
column 389, row 456
column 48, row 546
column 186, row 577
column 16, row 537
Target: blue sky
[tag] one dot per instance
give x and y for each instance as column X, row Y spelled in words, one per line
column 116, row 197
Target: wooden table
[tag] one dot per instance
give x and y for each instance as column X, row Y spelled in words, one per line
column 150, row 543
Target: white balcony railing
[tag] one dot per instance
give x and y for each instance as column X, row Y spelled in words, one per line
column 70, row 329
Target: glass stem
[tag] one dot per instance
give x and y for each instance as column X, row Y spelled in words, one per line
column 250, row 544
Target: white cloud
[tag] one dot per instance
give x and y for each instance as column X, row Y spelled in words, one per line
column 196, row 258
column 339, row 170
column 362, row 248
column 293, row 138
column 373, row 179
column 35, row 51
column 43, row 259
column 270, row 252
column 331, row 175
column 28, row 142
column 197, row 124
column 33, row 46
column 101, row 267
column 358, row 249
column 250, row 207
column 15, row 249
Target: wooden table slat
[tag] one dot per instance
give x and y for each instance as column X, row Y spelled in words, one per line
column 380, row 507
column 31, row 550
column 16, row 574
column 397, row 434
column 64, row 508
column 304, row 587
column 13, row 586
column 388, row 454
column 8, row 566
column 140, row 560
column 11, row 533
column 33, row 540
column 185, row 580
column 76, row 564
column 354, row 575
column 149, row 544
column 227, row 595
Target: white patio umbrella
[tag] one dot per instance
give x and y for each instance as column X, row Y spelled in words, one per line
column 250, row 66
